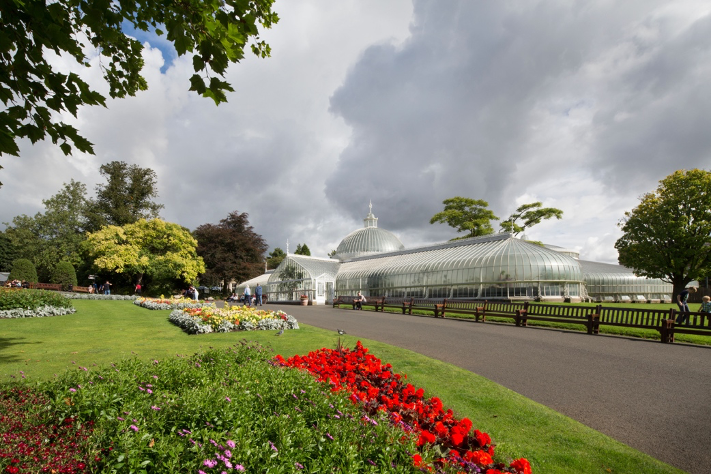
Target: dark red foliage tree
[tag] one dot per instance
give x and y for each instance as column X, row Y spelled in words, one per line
column 231, row 250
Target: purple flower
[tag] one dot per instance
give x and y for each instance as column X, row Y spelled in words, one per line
column 72, row 389
column 119, row 418
column 154, row 407
column 370, row 462
column 210, row 463
column 134, row 427
column 298, row 466
column 228, row 453
column 228, row 399
column 240, row 467
column 329, row 436
column 274, row 448
column 231, row 443
column 228, row 464
column 149, row 390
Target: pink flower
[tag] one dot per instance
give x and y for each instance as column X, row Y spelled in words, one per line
column 154, row 407
column 134, row 427
column 231, row 443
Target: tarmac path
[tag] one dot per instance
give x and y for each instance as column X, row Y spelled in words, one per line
column 651, row 396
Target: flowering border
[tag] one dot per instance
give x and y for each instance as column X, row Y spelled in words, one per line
column 96, row 296
column 166, row 303
column 207, row 320
column 378, row 389
column 41, row 312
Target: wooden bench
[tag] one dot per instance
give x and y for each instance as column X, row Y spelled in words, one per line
column 377, row 301
column 699, row 326
column 586, row 316
column 46, row 286
column 82, row 289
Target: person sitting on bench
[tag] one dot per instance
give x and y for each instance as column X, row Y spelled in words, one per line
column 359, row 300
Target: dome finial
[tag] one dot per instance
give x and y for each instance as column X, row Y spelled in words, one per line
column 370, row 220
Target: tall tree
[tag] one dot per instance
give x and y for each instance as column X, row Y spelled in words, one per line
column 161, row 250
column 8, row 252
column 466, row 215
column 126, row 197
column 302, row 249
column 232, row 250
column 531, row 215
column 35, row 92
column 55, row 235
column 275, row 258
column 667, row 235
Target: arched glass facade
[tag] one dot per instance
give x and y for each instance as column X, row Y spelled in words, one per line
column 299, row 275
column 607, row 282
column 497, row 266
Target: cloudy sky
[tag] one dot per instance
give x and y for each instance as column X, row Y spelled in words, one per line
column 582, row 105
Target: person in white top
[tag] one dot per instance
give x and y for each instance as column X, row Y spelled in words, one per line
column 248, row 299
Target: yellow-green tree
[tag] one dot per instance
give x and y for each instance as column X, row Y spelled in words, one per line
column 162, row 250
column 471, row 216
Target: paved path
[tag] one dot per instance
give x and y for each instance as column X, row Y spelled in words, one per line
column 653, row 397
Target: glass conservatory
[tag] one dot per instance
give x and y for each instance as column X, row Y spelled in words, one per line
column 606, row 282
column 299, row 275
column 491, row 267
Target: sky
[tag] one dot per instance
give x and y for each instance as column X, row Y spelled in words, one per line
column 584, row 106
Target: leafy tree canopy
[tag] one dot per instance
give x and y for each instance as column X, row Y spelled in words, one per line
column 126, row 197
column 302, row 249
column 275, row 258
column 34, row 93
column 55, row 235
column 162, row 250
column 23, row 270
column 232, row 250
column 531, row 215
column 8, row 252
column 466, row 215
column 667, row 235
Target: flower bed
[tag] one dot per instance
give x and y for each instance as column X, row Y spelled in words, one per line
column 33, row 304
column 235, row 318
column 170, row 303
column 97, row 296
column 377, row 389
column 226, row 410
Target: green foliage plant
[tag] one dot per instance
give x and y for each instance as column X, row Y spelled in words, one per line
column 23, row 270
column 173, row 415
column 667, row 235
column 471, row 216
column 64, row 274
column 531, row 215
column 31, row 299
column 36, row 92
column 8, row 252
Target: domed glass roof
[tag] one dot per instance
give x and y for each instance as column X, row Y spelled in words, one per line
column 368, row 241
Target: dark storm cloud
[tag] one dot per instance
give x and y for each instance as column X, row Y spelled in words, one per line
column 484, row 92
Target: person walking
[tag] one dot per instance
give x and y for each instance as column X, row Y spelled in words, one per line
column 138, row 289
column 682, row 304
column 107, row 288
column 258, row 295
column 248, row 298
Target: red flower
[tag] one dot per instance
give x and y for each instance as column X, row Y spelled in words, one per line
column 417, row 460
column 522, row 466
column 479, row 457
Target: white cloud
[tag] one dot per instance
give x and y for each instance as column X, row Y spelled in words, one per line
column 583, row 106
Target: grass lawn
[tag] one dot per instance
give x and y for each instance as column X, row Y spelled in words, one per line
column 102, row 332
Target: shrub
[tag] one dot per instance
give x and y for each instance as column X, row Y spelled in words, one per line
column 23, row 270
column 64, row 274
